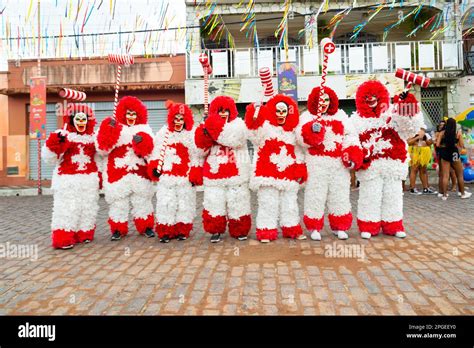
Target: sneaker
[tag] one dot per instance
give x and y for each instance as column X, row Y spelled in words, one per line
column 87, row 241
column 342, row 235
column 466, row 195
column 459, row 194
column 315, row 235
column 116, row 236
column 149, row 233
column 181, row 237
column 264, row 240
column 66, row 247
column 414, row 191
column 400, row 234
column 242, row 238
column 215, row 238
column 165, row 239
column 365, row 235
column 444, row 197
column 301, row 237
column 440, row 195
column 429, row 191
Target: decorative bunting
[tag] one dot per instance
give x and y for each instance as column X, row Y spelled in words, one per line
column 358, row 28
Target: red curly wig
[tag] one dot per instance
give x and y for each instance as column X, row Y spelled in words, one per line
column 408, row 106
column 313, row 99
column 226, row 103
column 372, row 88
column 135, row 104
column 71, row 110
column 293, row 114
column 179, row 108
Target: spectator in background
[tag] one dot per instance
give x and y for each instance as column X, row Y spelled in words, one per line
column 450, row 142
column 452, row 173
column 420, row 156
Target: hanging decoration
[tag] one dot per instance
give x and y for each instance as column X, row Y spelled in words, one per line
column 336, row 20
column 249, row 22
column 282, row 29
column 387, row 29
column 359, row 27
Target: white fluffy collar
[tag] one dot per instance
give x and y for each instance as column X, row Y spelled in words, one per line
column 127, row 133
column 279, row 133
column 365, row 123
column 80, row 138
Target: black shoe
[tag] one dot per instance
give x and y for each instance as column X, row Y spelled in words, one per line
column 116, row 236
column 215, row 238
column 429, row 191
column 181, row 237
column 242, row 238
column 165, row 239
column 149, row 233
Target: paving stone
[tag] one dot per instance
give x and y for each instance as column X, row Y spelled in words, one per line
column 429, row 273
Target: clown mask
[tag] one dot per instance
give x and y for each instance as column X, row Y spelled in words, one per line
column 178, row 122
column 131, row 117
column 371, row 101
column 281, row 113
column 325, row 103
column 224, row 113
column 80, row 122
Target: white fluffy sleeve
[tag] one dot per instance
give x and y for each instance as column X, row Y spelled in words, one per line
column 234, row 134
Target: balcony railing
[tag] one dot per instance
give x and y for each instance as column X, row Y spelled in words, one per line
column 366, row 58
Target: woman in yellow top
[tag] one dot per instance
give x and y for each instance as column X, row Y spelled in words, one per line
column 420, row 156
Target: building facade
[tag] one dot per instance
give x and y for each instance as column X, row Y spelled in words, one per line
column 235, row 70
column 153, row 80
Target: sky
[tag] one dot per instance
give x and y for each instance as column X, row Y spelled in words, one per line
column 18, row 19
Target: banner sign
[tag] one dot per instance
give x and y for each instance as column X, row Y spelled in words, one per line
column 38, row 107
column 287, row 79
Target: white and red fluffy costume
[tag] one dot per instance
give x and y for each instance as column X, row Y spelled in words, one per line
column 226, row 170
column 125, row 179
column 381, row 133
column 180, row 172
column 329, row 155
column 75, row 182
column 277, row 168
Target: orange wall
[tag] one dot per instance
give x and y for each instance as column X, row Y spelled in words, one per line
column 14, row 119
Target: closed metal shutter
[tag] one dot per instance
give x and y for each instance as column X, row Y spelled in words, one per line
column 157, row 113
column 51, row 126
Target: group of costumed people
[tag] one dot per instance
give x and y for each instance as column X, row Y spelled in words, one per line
column 315, row 150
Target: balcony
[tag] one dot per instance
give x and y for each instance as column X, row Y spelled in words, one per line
column 235, row 66
column 368, row 58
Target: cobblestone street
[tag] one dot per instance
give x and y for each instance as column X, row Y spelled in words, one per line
column 431, row 272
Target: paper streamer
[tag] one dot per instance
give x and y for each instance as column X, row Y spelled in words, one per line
column 72, row 94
